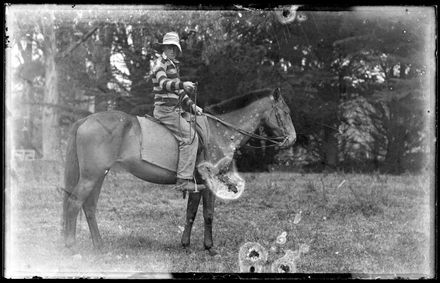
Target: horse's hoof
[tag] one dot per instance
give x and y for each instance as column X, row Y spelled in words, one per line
column 187, row 249
column 212, row 251
column 69, row 251
column 185, row 240
column 98, row 247
column 69, row 244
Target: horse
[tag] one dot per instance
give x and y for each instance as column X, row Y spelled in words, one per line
column 99, row 141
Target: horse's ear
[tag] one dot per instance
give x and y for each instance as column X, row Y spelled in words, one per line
column 277, row 94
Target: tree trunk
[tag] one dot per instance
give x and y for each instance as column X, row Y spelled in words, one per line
column 396, row 141
column 51, row 130
column 331, row 150
column 103, row 73
column 27, row 76
column 395, row 151
column 27, row 116
column 138, row 66
column 101, row 58
column 330, row 141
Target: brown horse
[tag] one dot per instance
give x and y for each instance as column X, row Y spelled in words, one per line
column 103, row 139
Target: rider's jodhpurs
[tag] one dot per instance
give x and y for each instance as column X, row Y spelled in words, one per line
column 186, row 137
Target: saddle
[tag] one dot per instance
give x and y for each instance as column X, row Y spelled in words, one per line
column 157, row 139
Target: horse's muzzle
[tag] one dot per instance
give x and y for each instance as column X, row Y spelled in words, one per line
column 289, row 141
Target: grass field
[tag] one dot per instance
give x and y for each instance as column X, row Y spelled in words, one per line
column 377, row 225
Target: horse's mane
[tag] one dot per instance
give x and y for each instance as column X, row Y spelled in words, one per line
column 238, row 102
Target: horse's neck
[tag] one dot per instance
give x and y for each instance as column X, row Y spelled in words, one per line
column 226, row 140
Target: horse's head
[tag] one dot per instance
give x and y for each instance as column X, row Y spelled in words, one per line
column 277, row 119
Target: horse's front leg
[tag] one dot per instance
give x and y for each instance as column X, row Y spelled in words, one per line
column 208, row 217
column 191, row 212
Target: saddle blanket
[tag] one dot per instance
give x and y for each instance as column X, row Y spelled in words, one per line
column 160, row 147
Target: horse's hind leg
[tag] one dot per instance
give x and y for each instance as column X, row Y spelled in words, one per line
column 89, row 207
column 73, row 205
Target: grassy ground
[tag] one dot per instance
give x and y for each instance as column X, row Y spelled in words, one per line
column 373, row 224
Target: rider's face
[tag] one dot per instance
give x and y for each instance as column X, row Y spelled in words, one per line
column 171, row 51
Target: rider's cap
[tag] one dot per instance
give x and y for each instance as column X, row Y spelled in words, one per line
column 171, row 38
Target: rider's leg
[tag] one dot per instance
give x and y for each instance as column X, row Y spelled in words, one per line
column 188, row 143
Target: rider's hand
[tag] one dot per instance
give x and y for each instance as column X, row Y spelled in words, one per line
column 196, row 109
column 189, row 87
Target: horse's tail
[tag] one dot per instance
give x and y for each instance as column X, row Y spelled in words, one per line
column 71, row 169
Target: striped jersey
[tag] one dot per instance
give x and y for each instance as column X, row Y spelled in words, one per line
column 167, row 83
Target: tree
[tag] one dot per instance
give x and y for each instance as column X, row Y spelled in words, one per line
column 393, row 80
column 51, row 130
column 342, row 73
column 49, row 74
column 40, row 38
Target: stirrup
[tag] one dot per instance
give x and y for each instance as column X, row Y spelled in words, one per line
column 198, row 187
column 190, row 187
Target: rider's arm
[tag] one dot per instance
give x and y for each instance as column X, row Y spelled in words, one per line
column 164, row 82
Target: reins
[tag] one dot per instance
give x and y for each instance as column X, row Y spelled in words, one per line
column 194, row 121
column 246, row 133
column 241, row 131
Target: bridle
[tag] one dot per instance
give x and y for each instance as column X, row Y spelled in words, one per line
column 280, row 121
column 274, row 140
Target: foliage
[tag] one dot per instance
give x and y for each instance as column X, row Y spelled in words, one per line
column 355, row 81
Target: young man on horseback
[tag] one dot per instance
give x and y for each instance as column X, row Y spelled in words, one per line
column 170, row 101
